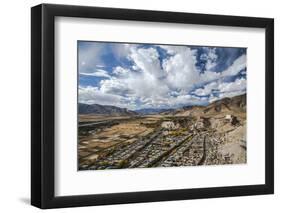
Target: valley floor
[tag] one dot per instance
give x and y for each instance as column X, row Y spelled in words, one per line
column 161, row 141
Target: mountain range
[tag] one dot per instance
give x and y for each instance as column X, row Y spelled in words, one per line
column 151, row 111
column 104, row 110
column 237, row 103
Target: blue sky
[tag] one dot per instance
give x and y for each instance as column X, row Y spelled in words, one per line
column 136, row 76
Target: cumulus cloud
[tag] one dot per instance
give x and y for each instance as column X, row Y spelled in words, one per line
column 210, row 57
column 180, row 69
column 147, row 60
column 153, row 80
column 238, row 86
column 93, row 95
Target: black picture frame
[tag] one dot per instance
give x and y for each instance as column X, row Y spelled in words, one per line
column 43, row 102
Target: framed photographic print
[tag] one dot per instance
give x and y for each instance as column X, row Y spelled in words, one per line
column 139, row 106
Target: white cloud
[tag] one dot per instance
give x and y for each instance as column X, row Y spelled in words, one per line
column 173, row 49
column 180, row 69
column 210, row 57
column 89, row 57
column 98, row 73
column 239, row 64
column 147, row 60
column 114, row 86
column 99, row 66
column 147, row 84
column 237, row 85
column 224, row 89
column 232, row 70
column 207, row 89
column 91, row 54
column 92, row 95
column 121, row 50
column 120, row 71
